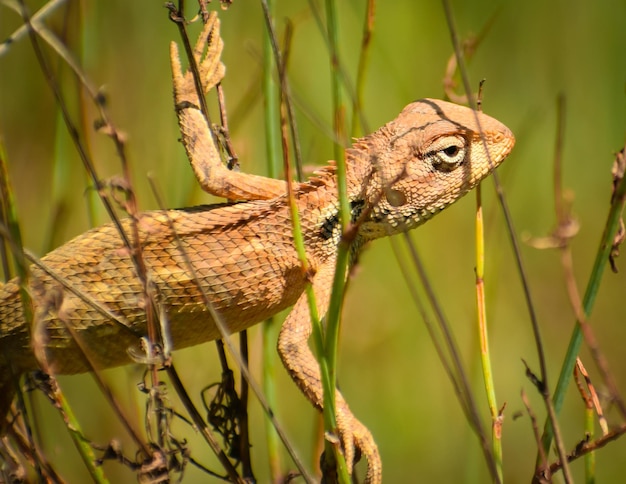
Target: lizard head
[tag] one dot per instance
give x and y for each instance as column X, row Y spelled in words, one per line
column 427, row 158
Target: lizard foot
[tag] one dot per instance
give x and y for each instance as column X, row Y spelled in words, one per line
column 354, row 436
column 211, row 68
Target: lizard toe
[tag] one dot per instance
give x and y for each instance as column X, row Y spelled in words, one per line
column 356, row 441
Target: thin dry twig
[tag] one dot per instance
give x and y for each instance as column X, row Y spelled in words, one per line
column 188, row 403
column 33, row 454
column 468, row 47
column 590, row 396
column 107, row 126
column 535, row 427
column 284, row 88
column 131, row 206
column 619, row 167
column 584, row 447
column 460, row 380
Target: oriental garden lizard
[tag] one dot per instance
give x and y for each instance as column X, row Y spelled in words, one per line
column 242, row 253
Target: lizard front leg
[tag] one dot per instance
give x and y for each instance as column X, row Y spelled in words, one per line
column 304, row 369
column 197, row 138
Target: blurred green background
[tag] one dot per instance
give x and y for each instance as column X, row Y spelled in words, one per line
column 389, row 371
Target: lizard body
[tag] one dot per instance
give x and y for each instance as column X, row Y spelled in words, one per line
column 243, row 254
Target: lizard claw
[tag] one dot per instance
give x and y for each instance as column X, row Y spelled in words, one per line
column 355, row 436
column 211, row 68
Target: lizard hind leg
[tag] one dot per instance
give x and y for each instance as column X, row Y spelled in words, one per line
column 304, row 370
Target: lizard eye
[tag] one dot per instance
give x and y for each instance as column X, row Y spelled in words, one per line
column 447, row 153
column 451, row 150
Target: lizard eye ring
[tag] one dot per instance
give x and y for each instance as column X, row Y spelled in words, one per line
column 447, row 153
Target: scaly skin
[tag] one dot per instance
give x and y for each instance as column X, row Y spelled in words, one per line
column 398, row 177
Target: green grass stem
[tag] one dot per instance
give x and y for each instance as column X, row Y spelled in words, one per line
column 80, row 442
column 483, row 335
column 590, row 458
column 364, row 57
column 591, row 292
column 338, row 109
column 328, row 385
column 333, row 319
column 270, row 329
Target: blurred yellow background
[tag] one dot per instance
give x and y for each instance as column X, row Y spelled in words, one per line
column 388, row 370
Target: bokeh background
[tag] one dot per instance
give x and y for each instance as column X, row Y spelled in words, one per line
column 532, row 52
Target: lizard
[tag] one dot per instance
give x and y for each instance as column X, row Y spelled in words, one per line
column 242, row 253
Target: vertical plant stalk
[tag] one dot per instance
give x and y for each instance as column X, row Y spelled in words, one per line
column 581, row 310
column 177, row 16
column 483, row 336
column 269, row 328
column 338, row 109
column 494, row 462
column 590, row 458
column 544, row 386
column 269, row 335
column 189, row 405
column 567, row 228
column 602, row 257
column 364, row 57
column 580, row 375
column 318, row 333
column 328, row 387
column 10, row 217
column 332, row 454
column 81, row 443
column 242, row 414
column 338, row 112
column 458, row 375
column 73, row 427
column 286, row 110
column 285, row 90
column 333, row 318
column 87, row 16
column 13, row 238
